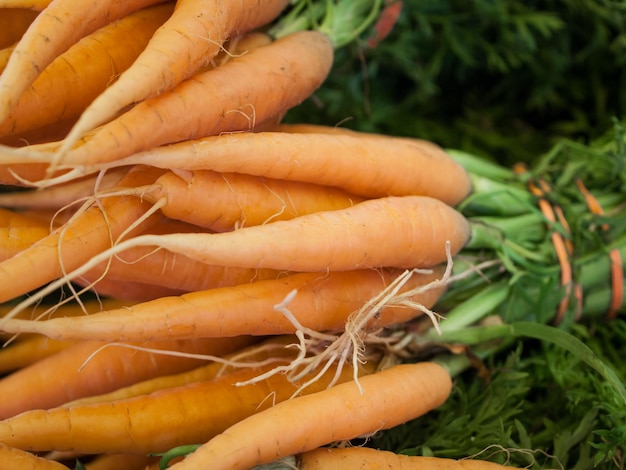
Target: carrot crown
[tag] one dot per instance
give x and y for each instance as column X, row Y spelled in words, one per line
column 553, row 235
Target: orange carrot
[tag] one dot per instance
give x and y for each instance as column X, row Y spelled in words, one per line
column 418, row 232
column 36, row 5
column 13, row 23
column 66, row 310
column 125, row 290
column 24, row 171
column 18, row 232
column 365, row 458
column 5, row 53
column 59, row 378
column 61, row 24
column 386, row 165
column 75, row 242
column 159, row 421
column 58, row 130
column 245, row 91
column 65, row 87
column 58, row 197
column 25, row 352
column 323, row 302
column 345, row 411
column 163, row 268
column 307, row 128
column 272, row 350
column 186, row 42
column 119, row 462
column 11, row 219
column 225, row 201
column 16, row 459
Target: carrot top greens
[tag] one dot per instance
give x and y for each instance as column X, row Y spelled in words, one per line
column 554, row 395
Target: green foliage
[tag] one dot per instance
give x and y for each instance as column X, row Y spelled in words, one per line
column 498, row 78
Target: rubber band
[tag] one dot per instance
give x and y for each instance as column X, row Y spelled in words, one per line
column 562, row 247
column 617, row 266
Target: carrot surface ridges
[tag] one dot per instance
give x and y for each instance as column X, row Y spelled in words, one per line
column 345, row 411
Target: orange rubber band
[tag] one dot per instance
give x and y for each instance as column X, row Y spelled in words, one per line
column 617, row 267
column 562, row 247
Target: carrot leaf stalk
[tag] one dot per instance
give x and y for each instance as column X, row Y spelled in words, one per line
column 343, row 21
column 547, row 241
column 545, row 257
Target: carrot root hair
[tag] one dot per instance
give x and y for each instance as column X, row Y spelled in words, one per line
column 318, row 351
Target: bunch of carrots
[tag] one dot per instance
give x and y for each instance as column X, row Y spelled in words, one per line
column 232, row 284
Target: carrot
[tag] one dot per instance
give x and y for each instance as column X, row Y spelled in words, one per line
column 36, row 5
column 225, row 201
column 28, row 351
column 59, row 378
column 17, row 459
column 66, row 310
column 61, row 24
column 245, row 91
column 65, row 87
column 11, row 219
column 386, row 165
column 5, row 53
column 186, row 42
column 345, row 411
column 14, row 174
column 13, row 23
column 307, row 128
column 419, row 232
column 18, row 232
column 75, row 242
column 364, row 458
column 125, row 290
column 323, row 302
column 159, row 421
column 163, row 268
column 272, row 350
column 58, row 197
